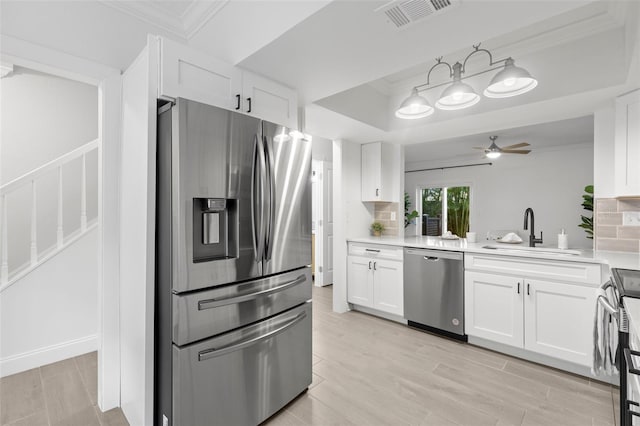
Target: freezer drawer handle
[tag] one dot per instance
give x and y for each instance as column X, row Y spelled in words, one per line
column 215, row 352
column 214, row 303
column 431, row 258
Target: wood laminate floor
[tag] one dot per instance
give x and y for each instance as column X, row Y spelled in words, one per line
column 366, row 371
column 369, row 371
column 59, row 394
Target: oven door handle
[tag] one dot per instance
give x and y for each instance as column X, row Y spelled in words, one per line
column 608, row 306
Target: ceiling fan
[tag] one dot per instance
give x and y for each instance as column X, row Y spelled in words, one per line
column 494, row 151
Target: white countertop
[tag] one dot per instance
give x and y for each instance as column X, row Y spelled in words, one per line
column 610, row 258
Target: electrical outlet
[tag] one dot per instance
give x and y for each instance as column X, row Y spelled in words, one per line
column 393, row 215
column 631, row 218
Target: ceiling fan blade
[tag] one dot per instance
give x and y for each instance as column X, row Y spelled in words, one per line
column 518, row 145
column 480, row 147
column 516, row 151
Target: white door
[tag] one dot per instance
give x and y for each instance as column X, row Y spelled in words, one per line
column 558, row 319
column 493, row 307
column 323, row 222
column 388, row 293
column 360, row 281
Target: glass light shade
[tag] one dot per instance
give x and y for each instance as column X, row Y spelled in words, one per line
column 493, row 154
column 510, row 81
column 457, row 96
column 415, row 106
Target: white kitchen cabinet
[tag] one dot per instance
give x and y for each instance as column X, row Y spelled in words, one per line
column 380, row 172
column 493, row 308
column 507, row 302
column 374, row 277
column 627, row 145
column 551, row 312
column 268, row 100
column 187, row 73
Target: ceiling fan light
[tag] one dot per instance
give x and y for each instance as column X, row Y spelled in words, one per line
column 415, row 106
column 458, row 95
column 510, row 81
column 493, row 154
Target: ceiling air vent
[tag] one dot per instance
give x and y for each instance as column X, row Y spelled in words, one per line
column 404, row 13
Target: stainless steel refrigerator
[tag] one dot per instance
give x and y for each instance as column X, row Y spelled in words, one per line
column 233, row 282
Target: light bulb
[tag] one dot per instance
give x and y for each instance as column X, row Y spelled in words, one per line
column 493, row 154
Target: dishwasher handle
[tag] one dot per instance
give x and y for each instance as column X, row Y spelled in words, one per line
column 440, row 254
column 431, row 258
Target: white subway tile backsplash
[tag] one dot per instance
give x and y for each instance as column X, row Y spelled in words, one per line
column 631, row 218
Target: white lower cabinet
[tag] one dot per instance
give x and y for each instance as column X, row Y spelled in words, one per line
column 549, row 317
column 374, row 278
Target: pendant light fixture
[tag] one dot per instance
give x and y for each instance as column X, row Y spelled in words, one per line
column 510, row 81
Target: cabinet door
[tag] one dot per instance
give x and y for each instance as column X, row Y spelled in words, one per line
column 387, row 287
column 559, row 319
column 627, row 144
column 189, row 74
column 371, row 171
column 269, row 100
column 493, row 307
column 360, row 281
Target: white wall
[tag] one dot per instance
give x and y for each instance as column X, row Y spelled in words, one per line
column 550, row 181
column 352, row 217
column 43, row 117
column 51, row 314
column 137, row 237
column 604, row 152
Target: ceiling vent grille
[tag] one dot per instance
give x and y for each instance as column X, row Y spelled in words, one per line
column 404, row 13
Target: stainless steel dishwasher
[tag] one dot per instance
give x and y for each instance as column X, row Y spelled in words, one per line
column 434, row 291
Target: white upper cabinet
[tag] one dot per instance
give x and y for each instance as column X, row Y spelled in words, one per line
column 380, row 172
column 268, row 100
column 187, row 73
column 627, row 145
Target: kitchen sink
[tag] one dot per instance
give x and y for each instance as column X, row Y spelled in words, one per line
column 539, row 250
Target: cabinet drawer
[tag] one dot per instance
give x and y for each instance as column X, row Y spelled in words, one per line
column 583, row 273
column 376, row 251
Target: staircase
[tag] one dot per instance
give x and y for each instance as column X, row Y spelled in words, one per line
column 40, row 255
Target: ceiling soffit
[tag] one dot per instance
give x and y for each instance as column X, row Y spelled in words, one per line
column 191, row 17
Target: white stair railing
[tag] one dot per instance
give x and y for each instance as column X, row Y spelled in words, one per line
column 30, row 179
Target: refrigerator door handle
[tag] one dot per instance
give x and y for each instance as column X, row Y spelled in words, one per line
column 272, row 198
column 214, row 303
column 215, row 352
column 257, row 199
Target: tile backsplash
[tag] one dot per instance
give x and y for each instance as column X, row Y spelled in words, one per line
column 382, row 213
column 617, row 224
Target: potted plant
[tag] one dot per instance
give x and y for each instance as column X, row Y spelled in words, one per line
column 377, row 228
column 587, row 204
column 408, row 217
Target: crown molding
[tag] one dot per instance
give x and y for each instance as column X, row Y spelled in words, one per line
column 185, row 25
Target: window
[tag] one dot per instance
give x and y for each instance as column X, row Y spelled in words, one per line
column 445, row 209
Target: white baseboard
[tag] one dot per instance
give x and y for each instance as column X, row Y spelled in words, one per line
column 47, row 355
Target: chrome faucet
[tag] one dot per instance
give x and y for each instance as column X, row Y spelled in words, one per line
column 532, row 237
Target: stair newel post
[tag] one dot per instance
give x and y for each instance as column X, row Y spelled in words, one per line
column 34, row 217
column 60, row 232
column 4, row 269
column 83, row 205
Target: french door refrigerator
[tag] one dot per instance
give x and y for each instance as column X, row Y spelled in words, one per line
column 233, row 282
